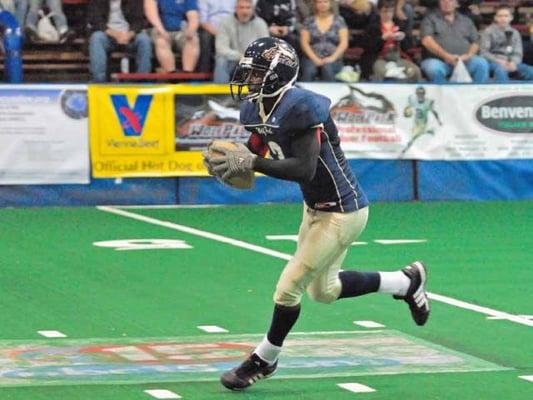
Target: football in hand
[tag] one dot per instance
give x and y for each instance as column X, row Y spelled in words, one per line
column 239, row 181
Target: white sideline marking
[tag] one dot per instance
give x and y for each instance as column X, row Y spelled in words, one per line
column 356, row 387
column 171, row 206
column 293, row 238
column 369, row 324
column 483, row 310
column 530, row 317
column 528, row 378
column 263, row 250
column 162, row 394
column 52, row 334
column 399, row 241
column 212, row 329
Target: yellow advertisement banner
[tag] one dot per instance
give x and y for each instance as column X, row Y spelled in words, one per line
column 160, row 130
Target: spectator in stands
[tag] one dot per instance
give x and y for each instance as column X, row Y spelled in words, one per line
column 323, row 39
column 404, row 17
column 280, row 16
column 18, row 8
column 7, row 5
column 386, row 36
column 60, row 20
column 471, row 9
column 112, row 25
column 175, row 24
column 355, row 11
column 211, row 14
column 501, row 45
column 304, row 10
column 448, row 37
column 360, row 15
column 235, row 34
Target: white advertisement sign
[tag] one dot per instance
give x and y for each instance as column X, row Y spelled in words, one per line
column 432, row 122
column 44, row 134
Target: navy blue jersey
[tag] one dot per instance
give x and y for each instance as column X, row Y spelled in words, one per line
column 334, row 186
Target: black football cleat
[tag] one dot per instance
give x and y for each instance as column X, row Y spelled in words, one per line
column 416, row 296
column 250, row 371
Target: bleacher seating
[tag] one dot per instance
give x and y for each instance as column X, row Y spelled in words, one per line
column 45, row 62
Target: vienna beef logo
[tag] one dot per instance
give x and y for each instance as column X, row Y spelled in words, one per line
column 132, row 119
column 512, row 114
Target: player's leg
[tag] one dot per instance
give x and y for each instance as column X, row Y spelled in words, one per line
column 407, row 284
column 418, row 130
column 322, row 239
column 262, row 362
column 329, row 284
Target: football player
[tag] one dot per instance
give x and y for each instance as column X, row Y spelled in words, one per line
column 294, row 127
column 422, row 107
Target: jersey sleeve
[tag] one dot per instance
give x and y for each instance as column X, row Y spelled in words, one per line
column 307, row 112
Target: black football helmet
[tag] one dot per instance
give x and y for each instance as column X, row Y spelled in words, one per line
column 268, row 66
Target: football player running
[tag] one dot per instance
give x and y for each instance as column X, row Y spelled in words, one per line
column 294, row 126
column 422, row 107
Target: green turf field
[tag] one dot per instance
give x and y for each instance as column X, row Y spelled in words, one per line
column 130, row 315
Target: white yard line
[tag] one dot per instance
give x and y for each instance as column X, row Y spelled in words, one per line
column 162, row 394
column 356, row 387
column 196, row 232
column 263, row 250
column 52, row 334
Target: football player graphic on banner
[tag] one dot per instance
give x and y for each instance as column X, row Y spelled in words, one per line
column 419, row 107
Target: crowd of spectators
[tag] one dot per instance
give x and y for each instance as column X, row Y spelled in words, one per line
column 211, row 35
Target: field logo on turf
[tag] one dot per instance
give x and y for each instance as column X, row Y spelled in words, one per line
column 205, row 357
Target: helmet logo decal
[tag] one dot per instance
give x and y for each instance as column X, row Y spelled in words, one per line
column 286, row 57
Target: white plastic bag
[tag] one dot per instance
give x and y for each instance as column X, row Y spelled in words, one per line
column 460, row 73
column 45, row 29
column 394, row 71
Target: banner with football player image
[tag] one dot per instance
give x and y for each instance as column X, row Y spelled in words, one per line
column 44, row 136
column 158, row 130
column 161, row 130
column 432, row 122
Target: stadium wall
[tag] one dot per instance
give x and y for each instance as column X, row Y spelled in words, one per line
column 382, row 180
column 478, row 164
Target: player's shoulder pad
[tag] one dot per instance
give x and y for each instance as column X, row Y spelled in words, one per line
column 304, row 109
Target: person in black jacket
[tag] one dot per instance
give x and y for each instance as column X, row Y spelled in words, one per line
column 280, row 18
column 114, row 24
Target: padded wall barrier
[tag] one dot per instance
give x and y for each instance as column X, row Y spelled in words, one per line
column 475, row 180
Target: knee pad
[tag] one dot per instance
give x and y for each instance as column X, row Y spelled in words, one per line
column 322, row 296
column 286, row 296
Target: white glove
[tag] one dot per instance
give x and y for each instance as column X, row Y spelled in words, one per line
column 232, row 162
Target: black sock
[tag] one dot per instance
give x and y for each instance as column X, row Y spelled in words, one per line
column 283, row 319
column 358, row 283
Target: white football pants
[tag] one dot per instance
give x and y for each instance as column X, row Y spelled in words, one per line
column 323, row 240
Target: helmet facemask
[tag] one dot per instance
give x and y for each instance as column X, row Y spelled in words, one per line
column 253, row 82
column 267, row 69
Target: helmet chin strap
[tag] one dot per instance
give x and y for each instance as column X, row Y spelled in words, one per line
column 278, row 93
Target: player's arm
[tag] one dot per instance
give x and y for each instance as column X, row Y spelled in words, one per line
column 301, row 167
